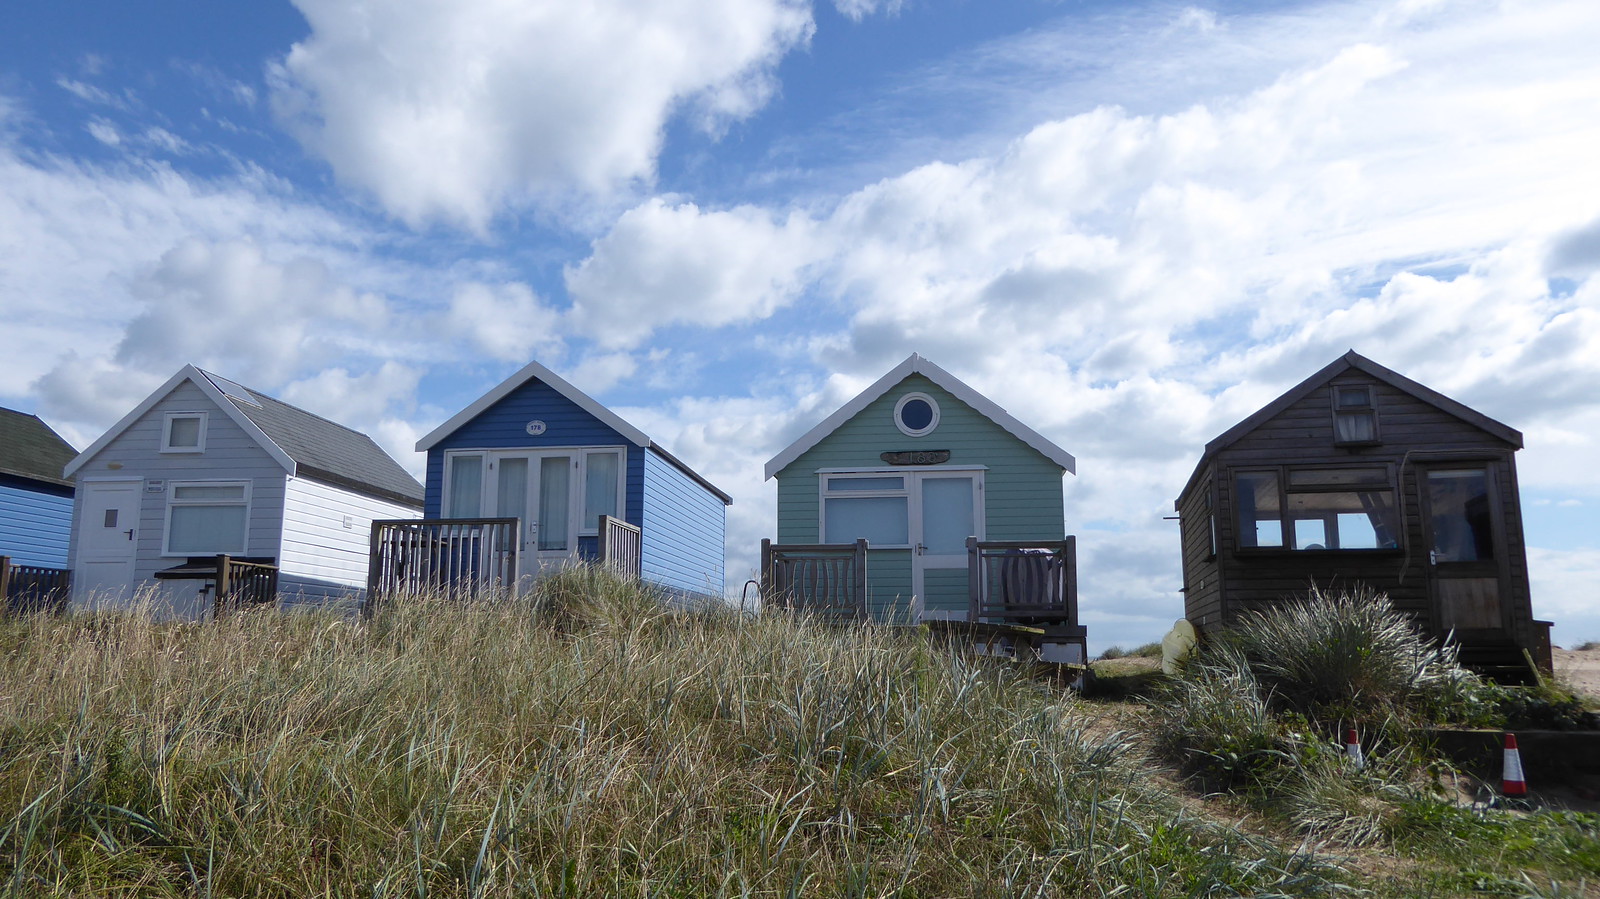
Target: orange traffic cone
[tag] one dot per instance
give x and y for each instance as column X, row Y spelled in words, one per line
column 1511, row 783
column 1352, row 750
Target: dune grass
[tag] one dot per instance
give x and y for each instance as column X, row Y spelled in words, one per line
column 581, row 742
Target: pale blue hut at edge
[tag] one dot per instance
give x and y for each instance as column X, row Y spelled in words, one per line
column 35, row 500
column 537, row 449
column 917, row 464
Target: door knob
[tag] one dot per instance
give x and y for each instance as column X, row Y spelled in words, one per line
column 129, row 532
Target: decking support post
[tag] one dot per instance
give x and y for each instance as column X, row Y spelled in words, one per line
column 223, row 585
column 861, row 578
column 1070, row 575
column 5, row 583
column 974, row 581
column 766, row 569
column 374, row 569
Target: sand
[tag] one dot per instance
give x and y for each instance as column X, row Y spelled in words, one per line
column 1580, row 671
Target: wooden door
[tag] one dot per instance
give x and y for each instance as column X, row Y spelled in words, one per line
column 1466, row 548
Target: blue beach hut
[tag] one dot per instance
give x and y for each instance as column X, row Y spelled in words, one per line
column 539, row 450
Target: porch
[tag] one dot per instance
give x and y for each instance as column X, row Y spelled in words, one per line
column 1022, row 595
column 466, row 557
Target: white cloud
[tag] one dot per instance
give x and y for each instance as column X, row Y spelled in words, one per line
column 448, row 110
column 675, row 264
column 507, row 321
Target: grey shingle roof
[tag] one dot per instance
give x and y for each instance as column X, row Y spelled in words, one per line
column 30, row 449
column 322, row 449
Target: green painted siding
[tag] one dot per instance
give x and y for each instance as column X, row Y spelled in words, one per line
column 1022, row 488
column 888, row 582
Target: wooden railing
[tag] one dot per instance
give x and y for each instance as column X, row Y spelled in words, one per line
column 243, row 584
column 619, row 546
column 33, row 588
column 456, row 556
column 826, row 579
column 1023, row 582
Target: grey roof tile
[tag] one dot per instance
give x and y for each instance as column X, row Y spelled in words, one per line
column 30, row 449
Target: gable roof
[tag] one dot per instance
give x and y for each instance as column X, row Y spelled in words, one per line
column 917, row 365
column 29, row 448
column 305, row 444
column 533, row 371
column 1353, row 361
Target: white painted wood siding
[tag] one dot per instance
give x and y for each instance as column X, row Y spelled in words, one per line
column 321, row 556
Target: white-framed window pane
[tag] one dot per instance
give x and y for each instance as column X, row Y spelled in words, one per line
column 555, row 473
column 183, row 431
column 511, row 496
column 600, row 487
column 201, row 492
column 883, row 483
column 196, row 530
column 882, row 520
column 947, row 519
column 466, row 487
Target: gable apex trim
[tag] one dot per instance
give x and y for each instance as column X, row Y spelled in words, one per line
column 203, row 382
column 918, row 365
column 530, row 372
column 1354, row 360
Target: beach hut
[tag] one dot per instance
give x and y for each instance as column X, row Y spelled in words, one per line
column 1360, row 476
column 206, row 468
column 535, row 475
column 960, row 506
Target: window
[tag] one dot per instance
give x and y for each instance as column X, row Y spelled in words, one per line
column 876, row 507
column 916, row 414
column 1318, row 509
column 602, row 487
column 1355, row 416
column 464, row 487
column 183, row 432
column 206, row 517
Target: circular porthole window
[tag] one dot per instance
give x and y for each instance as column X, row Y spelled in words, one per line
column 916, row 414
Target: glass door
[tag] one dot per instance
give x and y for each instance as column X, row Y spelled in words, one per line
column 1464, row 547
column 949, row 511
column 538, row 488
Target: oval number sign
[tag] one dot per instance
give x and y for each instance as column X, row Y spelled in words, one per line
column 535, row 428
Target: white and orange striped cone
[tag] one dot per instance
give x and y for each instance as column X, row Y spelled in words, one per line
column 1352, row 750
column 1512, row 782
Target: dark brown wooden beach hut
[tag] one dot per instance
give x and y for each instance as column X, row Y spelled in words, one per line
column 1360, row 476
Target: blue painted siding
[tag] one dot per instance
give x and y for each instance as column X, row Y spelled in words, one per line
column 34, row 526
column 504, row 426
column 682, row 531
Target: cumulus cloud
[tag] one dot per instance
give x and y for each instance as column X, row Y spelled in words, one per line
column 446, row 110
column 506, row 321
column 664, row 264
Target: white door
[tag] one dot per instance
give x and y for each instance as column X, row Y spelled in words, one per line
column 947, row 509
column 108, row 542
column 541, row 489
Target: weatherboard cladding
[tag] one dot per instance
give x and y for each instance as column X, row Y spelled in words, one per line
column 1022, row 488
column 321, row 558
column 30, row 449
column 681, row 530
column 34, row 526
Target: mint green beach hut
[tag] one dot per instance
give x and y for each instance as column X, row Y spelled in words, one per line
column 959, row 503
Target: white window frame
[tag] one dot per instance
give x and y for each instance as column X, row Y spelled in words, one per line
column 916, row 432
column 173, row 501
column 580, row 493
column 166, row 432
column 911, row 475
column 445, row 485
column 593, row 529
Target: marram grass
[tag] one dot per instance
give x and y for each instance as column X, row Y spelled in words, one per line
column 584, row 742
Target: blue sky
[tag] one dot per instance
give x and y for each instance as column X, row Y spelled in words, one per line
column 1131, row 224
